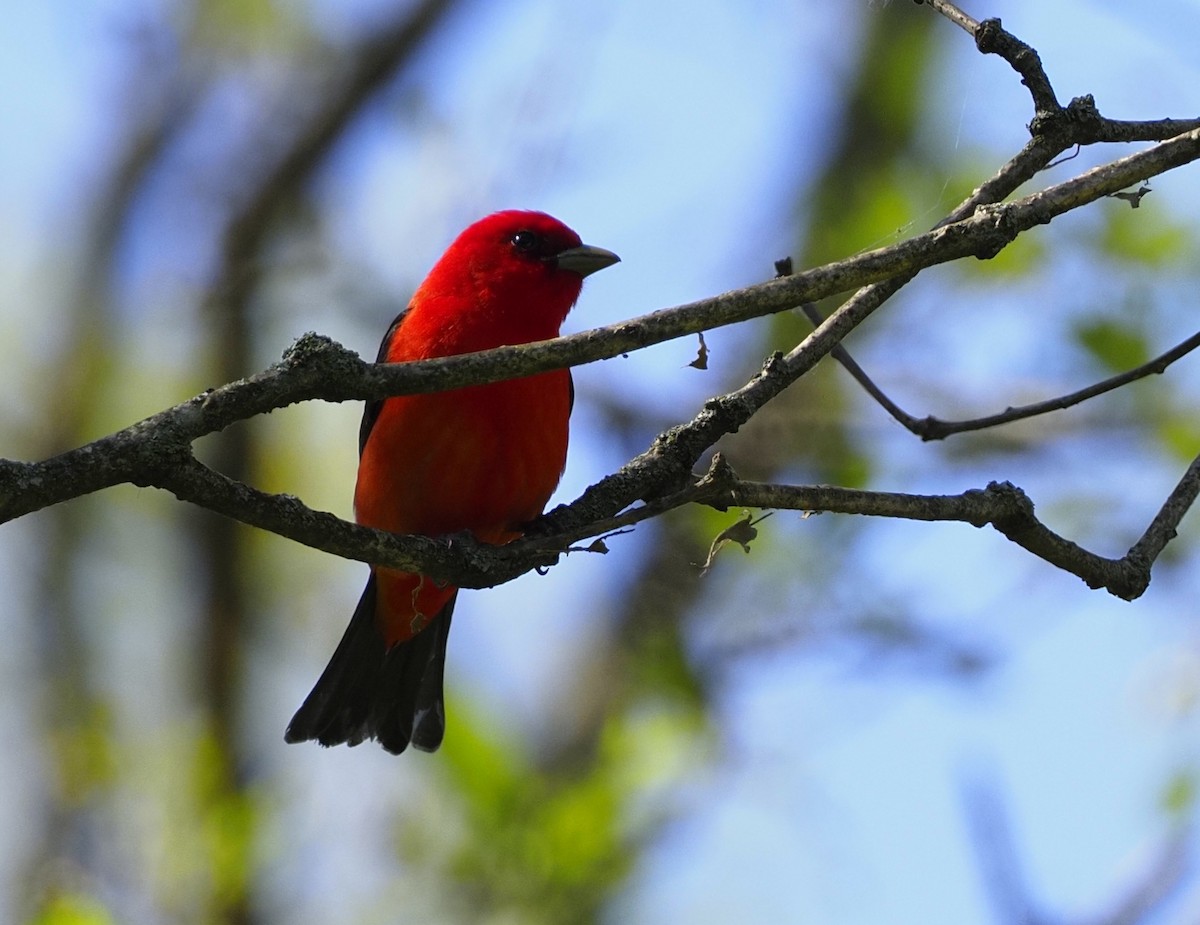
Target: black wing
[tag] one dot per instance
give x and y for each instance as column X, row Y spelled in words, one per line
column 371, row 411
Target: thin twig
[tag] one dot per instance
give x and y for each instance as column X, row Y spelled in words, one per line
column 1055, row 129
column 842, row 355
column 934, row 428
column 992, row 39
column 1000, row 505
column 953, row 13
column 931, row 428
column 1163, row 528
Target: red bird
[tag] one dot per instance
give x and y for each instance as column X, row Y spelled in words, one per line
column 484, row 458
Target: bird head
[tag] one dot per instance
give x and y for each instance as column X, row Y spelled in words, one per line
column 515, row 275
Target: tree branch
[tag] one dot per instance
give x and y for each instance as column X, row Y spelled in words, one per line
column 934, row 428
column 157, row 451
column 1054, row 129
column 1000, row 505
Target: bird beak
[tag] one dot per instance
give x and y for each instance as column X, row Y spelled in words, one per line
column 585, row 259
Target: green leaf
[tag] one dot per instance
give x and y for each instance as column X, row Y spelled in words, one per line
column 72, row 909
column 1117, row 345
column 1143, row 236
column 1179, row 796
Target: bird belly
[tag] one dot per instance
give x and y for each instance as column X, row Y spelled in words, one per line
column 484, row 459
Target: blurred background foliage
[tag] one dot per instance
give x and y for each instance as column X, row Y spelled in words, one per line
column 843, row 724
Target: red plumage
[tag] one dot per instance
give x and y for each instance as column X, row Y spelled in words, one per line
column 484, row 459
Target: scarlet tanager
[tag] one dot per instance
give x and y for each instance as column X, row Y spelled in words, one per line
column 484, row 458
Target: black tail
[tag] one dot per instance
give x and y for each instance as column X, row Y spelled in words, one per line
column 371, row 692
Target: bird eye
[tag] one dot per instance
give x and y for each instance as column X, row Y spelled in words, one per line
column 527, row 242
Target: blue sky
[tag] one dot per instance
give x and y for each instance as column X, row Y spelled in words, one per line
column 838, row 795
